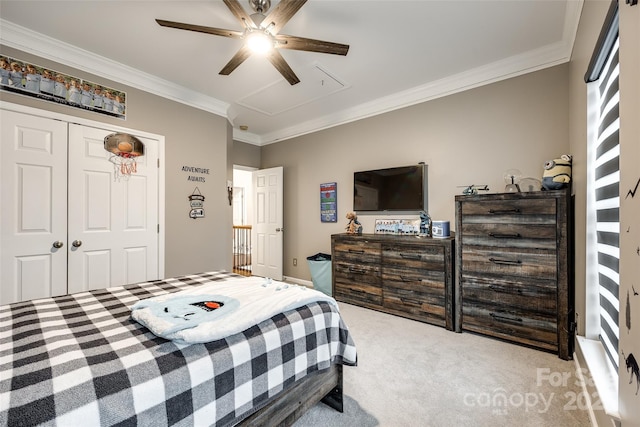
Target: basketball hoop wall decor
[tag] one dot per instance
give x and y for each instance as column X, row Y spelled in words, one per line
column 124, row 149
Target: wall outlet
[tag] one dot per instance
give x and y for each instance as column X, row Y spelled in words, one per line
column 295, row 262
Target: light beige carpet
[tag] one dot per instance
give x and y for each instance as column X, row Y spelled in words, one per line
column 414, row 374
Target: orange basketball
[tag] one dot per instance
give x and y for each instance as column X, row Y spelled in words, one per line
column 125, row 147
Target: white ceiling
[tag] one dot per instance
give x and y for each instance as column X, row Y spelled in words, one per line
column 401, row 53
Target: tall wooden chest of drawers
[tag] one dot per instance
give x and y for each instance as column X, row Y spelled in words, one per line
column 514, row 268
column 402, row 275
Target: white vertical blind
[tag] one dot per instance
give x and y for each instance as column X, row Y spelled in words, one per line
column 606, row 169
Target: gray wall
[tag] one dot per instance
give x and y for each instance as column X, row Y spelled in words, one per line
column 192, row 138
column 246, row 154
column 467, row 138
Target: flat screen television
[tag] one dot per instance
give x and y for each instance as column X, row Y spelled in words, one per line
column 392, row 189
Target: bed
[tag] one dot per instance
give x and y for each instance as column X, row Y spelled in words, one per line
column 81, row 359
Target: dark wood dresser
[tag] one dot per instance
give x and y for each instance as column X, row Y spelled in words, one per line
column 402, row 275
column 514, row 268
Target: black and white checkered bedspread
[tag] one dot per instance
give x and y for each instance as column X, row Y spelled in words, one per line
column 80, row 360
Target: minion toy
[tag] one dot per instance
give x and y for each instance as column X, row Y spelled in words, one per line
column 557, row 173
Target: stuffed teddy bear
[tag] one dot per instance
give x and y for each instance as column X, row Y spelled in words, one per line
column 557, row 173
column 354, row 226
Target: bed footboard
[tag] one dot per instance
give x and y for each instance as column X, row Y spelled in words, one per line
column 285, row 408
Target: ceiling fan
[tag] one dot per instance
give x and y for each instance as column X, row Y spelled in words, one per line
column 261, row 33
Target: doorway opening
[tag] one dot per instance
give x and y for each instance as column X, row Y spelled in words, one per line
column 242, row 217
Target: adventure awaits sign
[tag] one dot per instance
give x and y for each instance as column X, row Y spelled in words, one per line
column 194, row 170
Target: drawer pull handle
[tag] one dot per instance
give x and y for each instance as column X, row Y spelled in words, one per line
column 504, row 290
column 505, row 236
column 356, row 251
column 410, row 256
column 503, row 318
column 504, row 211
column 410, row 301
column 505, row 261
column 406, row 279
column 356, row 270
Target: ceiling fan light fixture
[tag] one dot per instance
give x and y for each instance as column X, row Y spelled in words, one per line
column 259, row 42
column 261, row 35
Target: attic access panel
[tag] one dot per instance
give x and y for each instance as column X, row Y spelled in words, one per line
column 279, row 97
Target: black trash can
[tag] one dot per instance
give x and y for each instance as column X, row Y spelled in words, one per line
column 320, row 268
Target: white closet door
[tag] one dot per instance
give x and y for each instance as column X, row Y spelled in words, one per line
column 33, row 215
column 113, row 236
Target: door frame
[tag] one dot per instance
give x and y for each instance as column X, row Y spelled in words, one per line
column 18, row 108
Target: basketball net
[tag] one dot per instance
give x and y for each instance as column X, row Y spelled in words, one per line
column 123, row 166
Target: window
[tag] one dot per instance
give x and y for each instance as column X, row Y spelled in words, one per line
column 603, row 200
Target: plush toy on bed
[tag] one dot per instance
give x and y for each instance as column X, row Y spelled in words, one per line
column 182, row 312
column 354, row 226
column 557, row 173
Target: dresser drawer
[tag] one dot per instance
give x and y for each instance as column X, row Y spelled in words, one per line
column 426, row 281
column 511, row 324
column 405, row 256
column 358, row 274
column 525, row 295
column 518, row 262
column 505, row 209
column 356, row 281
column 358, row 294
column 412, row 301
column 504, row 235
column 357, row 252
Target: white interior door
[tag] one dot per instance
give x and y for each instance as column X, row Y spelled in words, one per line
column 267, row 230
column 113, row 224
column 33, row 215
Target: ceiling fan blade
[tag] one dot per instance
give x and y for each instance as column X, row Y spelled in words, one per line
column 239, row 12
column 310, row 45
column 241, row 55
column 201, row 29
column 281, row 65
column 282, row 14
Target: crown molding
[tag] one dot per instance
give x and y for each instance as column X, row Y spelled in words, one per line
column 248, row 137
column 32, row 42
column 450, row 85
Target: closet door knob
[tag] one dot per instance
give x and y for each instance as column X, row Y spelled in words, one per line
column 77, row 243
column 58, row 244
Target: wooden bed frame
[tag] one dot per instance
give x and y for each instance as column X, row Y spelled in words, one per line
column 289, row 405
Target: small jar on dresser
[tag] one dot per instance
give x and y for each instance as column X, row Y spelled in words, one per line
column 514, row 268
